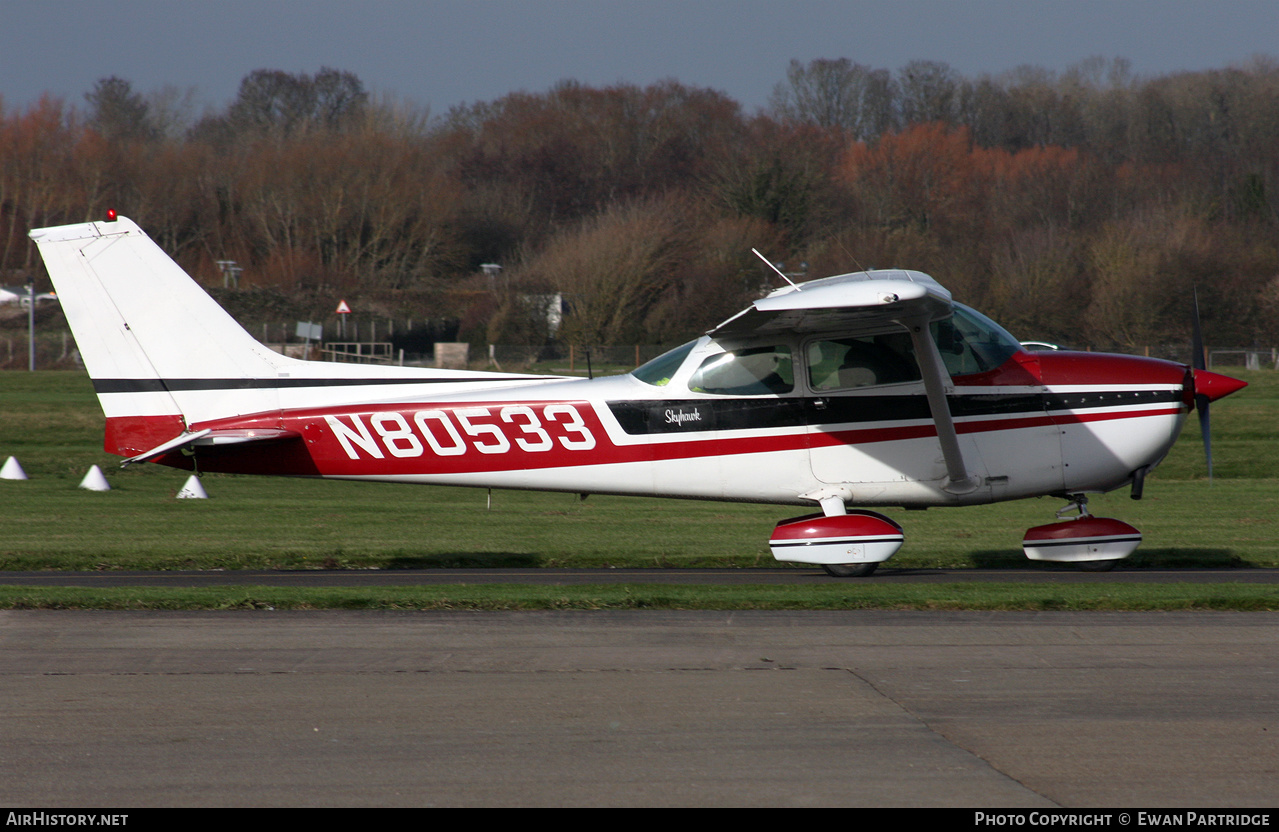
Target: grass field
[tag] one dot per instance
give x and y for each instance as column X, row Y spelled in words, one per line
column 51, row 422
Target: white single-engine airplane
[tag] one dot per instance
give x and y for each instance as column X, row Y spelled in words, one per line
column 860, row 390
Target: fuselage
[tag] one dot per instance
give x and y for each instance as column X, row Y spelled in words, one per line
column 1040, row 423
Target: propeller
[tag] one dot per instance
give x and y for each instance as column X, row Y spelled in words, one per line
column 1201, row 399
column 1208, row 386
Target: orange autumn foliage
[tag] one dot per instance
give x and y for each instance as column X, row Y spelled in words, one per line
column 933, row 176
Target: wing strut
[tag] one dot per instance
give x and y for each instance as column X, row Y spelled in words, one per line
column 936, row 385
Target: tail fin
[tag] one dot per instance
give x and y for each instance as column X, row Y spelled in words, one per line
column 147, row 331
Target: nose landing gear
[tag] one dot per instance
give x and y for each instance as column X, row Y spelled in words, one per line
column 1096, row 544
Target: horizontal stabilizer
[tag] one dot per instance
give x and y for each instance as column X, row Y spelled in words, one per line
column 210, row 436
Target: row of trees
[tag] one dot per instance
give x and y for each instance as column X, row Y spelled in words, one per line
column 1081, row 207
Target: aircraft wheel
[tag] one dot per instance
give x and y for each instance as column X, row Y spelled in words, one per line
column 849, row 570
column 1097, row 565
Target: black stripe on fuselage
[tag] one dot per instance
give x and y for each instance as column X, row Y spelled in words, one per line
column 694, row 415
column 156, row 385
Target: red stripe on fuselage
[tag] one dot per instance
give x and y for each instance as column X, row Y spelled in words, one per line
column 480, row 437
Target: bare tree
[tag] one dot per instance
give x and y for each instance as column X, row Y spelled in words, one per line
column 117, row 112
column 929, row 91
column 612, row 268
column 836, row 93
column 272, row 101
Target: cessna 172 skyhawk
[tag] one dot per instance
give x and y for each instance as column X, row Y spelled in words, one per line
column 860, row 390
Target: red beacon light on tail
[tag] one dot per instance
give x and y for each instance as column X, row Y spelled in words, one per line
column 111, row 215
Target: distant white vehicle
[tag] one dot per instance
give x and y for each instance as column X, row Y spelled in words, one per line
column 19, row 296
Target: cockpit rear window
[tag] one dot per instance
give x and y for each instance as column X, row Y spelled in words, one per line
column 757, row 371
column 659, row 371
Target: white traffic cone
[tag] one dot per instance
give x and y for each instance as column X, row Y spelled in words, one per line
column 12, row 470
column 94, row 480
column 192, row 490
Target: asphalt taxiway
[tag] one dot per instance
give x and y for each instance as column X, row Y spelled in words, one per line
column 639, row 708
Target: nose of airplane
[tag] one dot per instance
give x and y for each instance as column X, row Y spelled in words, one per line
column 1215, row 386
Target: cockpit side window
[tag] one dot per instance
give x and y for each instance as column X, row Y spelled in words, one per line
column 970, row 342
column 757, row 371
column 847, row 363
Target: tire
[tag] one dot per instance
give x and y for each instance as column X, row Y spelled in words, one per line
column 850, row 570
column 1097, row 565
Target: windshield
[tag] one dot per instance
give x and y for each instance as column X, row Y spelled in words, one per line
column 970, row 342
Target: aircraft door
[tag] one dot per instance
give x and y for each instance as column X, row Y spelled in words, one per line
column 869, row 423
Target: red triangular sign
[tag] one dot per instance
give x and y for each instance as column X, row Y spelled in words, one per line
column 343, row 309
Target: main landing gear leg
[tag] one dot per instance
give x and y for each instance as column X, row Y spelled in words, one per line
column 834, row 507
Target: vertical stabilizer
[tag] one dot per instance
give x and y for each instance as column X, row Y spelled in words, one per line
column 161, row 352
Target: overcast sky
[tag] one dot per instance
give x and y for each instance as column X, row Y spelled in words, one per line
column 445, row 52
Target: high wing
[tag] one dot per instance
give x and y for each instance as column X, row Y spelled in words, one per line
column 860, row 301
column 868, row 302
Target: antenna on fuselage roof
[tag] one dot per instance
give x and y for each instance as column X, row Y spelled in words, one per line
column 852, row 257
column 774, row 268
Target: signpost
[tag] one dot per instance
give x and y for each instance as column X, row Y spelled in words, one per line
column 310, row 332
column 31, row 324
column 343, row 311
